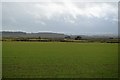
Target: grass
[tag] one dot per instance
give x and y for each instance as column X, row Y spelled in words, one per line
column 59, row 60
column 0, row 59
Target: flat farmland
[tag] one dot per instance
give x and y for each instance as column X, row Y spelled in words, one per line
column 59, row 60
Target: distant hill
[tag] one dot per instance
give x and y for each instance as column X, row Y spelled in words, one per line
column 8, row 34
column 31, row 35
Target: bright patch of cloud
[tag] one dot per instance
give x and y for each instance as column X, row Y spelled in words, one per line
column 72, row 10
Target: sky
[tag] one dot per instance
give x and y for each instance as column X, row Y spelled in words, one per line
column 66, row 17
column 59, row 0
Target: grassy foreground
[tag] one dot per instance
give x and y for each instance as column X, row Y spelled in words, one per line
column 0, row 59
column 57, row 59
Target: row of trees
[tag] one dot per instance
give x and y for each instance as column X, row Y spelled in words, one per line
column 67, row 38
column 76, row 38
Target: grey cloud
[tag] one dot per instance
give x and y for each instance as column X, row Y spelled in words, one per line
column 26, row 17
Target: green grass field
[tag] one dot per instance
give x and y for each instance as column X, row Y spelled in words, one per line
column 59, row 60
column 0, row 59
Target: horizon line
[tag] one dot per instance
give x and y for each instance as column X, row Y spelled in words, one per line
column 62, row 32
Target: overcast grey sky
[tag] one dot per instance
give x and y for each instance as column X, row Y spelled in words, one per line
column 65, row 17
column 59, row 0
